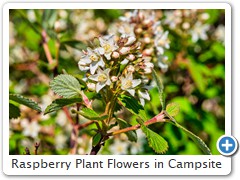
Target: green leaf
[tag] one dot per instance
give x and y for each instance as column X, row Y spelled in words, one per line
column 160, row 88
column 96, row 139
column 14, row 111
column 155, row 141
column 65, row 85
column 195, row 138
column 59, row 103
column 74, row 44
column 49, row 17
column 196, row 74
column 91, row 114
column 35, row 27
column 25, row 101
column 173, row 109
column 133, row 106
column 132, row 135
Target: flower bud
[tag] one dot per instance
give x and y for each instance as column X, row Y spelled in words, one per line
column 115, row 55
column 139, row 30
column 130, row 68
column 131, row 57
column 124, row 50
column 147, row 40
column 91, row 86
column 114, row 78
column 147, row 52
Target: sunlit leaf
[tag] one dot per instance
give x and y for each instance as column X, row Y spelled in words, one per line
column 173, row 109
column 160, row 87
column 91, row 114
column 65, row 85
column 133, row 106
column 96, row 139
column 132, row 135
column 60, row 103
column 198, row 141
column 25, row 101
column 155, row 141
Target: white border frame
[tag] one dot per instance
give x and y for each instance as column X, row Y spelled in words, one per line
column 108, row 5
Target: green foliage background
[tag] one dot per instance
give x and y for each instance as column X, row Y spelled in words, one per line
column 195, row 78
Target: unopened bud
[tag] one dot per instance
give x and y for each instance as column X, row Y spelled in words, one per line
column 114, row 78
column 147, row 40
column 130, row 68
column 147, row 52
column 91, row 86
column 139, row 30
column 124, row 50
column 115, row 55
column 131, row 57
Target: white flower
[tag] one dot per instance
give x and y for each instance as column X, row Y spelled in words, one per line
column 91, row 61
column 128, row 83
column 142, row 96
column 199, row 31
column 119, row 147
column 128, row 16
column 60, row 141
column 161, row 41
column 126, row 30
column 102, row 77
column 162, row 62
column 108, row 45
column 30, row 128
column 220, row 33
column 173, row 18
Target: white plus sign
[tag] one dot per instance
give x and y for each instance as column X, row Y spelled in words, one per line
column 227, row 145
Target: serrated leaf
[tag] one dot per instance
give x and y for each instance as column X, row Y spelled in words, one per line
column 60, row 103
column 91, row 114
column 155, row 141
column 160, row 87
column 14, row 111
column 132, row 135
column 173, row 109
column 25, row 101
column 96, row 139
column 66, row 85
column 200, row 143
column 133, row 106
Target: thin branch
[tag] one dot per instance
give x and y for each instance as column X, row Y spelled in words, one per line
column 81, row 126
column 65, row 109
column 46, row 48
column 36, row 148
column 158, row 118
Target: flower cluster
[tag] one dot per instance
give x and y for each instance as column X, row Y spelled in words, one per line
column 146, row 28
column 188, row 22
column 117, row 65
column 123, row 61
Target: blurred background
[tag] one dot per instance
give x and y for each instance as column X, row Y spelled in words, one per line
column 193, row 76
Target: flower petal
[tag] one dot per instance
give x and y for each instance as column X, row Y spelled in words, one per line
column 99, row 86
column 131, row 91
column 136, row 82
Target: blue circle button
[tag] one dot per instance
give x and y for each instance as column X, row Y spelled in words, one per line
column 227, row 145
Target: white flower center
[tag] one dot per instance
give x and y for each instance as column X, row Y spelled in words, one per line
column 127, row 84
column 102, row 78
column 107, row 48
column 94, row 57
